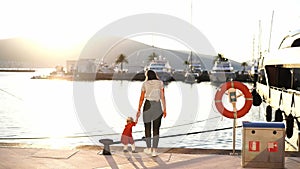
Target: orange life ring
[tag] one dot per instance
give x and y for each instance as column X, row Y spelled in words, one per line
column 237, row 85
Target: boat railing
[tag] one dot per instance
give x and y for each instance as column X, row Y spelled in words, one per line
column 290, row 91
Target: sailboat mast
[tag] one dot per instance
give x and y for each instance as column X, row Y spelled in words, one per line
column 271, row 31
column 191, row 12
column 191, row 61
column 253, row 48
column 259, row 40
column 191, row 56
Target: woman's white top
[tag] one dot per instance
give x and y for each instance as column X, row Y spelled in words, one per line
column 152, row 89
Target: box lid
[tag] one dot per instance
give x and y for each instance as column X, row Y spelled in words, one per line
column 260, row 124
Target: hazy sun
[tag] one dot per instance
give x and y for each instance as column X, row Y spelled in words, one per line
column 56, row 41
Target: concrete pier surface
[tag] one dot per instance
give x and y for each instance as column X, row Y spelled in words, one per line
column 88, row 157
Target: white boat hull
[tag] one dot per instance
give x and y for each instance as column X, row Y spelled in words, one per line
column 221, row 77
column 279, row 74
column 273, row 101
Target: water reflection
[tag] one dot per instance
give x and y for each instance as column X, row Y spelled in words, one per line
column 45, row 108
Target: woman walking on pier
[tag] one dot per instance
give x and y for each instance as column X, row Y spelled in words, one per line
column 153, row 92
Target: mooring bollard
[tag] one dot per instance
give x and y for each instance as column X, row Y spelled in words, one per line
column 106, row 143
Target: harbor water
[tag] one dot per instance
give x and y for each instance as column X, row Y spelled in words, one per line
column 53, row 113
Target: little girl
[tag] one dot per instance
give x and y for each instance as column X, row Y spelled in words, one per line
column 127, row 135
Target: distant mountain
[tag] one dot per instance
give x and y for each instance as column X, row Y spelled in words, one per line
column 20, row 52
column 138, row 54
column 27, row 53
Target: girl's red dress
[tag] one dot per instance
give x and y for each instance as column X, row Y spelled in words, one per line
column 127, row 134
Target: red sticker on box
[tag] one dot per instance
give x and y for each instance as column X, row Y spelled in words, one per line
column 273, row 147
column 254, row 146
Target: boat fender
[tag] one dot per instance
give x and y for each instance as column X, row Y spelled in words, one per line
column 269, row 113
column 237, row 85
column 257, row 100
column 278, row 115
column 289, row 126
column 278, row 112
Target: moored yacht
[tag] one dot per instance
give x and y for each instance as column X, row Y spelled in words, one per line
column 193, row 73
column 279, row 86
column 222, row 71
column 162, row 67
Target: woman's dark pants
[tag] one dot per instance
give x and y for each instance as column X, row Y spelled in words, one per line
column 152, row 114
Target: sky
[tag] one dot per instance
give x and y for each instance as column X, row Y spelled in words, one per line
column 231, row 26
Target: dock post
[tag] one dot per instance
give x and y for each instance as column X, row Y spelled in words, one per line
column 234, row 133
column 298, row 140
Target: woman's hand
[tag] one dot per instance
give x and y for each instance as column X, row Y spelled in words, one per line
column 164, row 113
column 163, row 99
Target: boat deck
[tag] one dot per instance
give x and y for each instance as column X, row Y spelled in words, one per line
column 89, row 157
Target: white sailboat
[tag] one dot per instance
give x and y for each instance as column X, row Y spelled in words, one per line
column 194, row 70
